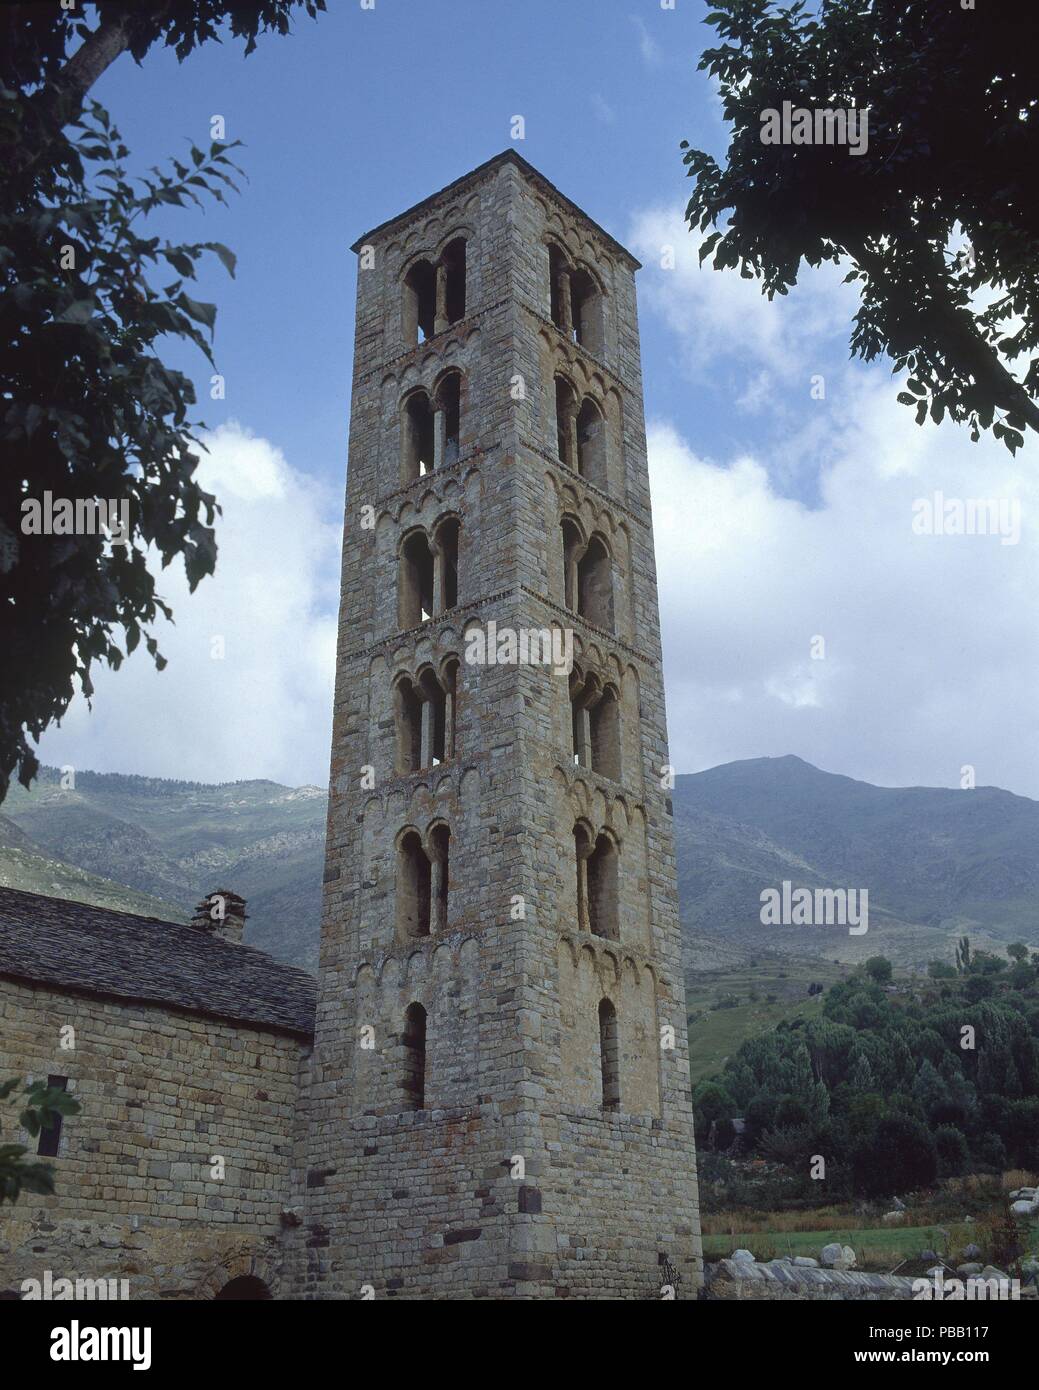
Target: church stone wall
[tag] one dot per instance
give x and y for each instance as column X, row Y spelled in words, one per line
column 160, row 1092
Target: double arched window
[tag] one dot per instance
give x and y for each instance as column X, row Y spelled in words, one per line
column 576, row 301
column 595, row 717
column 587, row 575
column 428, row 573
column 430, row 427
column 598, row 907
column 425, row 710
column 434, row 294
column 422, row 881
column 580, row 433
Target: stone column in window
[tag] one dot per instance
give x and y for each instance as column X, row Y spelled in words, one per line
column 426, row 759
column 436, row 895
column 440, row 319
column 439, row 436
column 570, row 413
column 583, row 919
column 449, row 720
column 584, row 734
column 438, row 580
column 566, row 312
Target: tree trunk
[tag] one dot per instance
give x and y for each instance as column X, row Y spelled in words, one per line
column 61, row 101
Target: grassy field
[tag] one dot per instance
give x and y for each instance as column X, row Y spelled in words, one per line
column 877, row 1248
column 716, row 1033
column 937, row 1222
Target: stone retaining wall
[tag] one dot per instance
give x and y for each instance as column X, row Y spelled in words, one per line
column 746, row 1279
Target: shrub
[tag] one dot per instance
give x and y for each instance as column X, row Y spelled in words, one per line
column 953, row 1154
column 978, row 987
column 898, row 1156
column 711, row 1102
column 878, row 968
column 724, row 1135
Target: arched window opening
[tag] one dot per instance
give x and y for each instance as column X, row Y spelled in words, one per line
column 587, row 311
column 609, row 1056
column 604, row 735
column 573, row 547
column 448, row 419
column 417, row 438
column 416, row 581
column 559, row 288
column 583, row 691
column 434, row 701
column 440, row 840
column 595, row 585
column 447, row 542
column 48, row 1142
column 602, row 889
column 419, row 304
column 595, row 716
column 566, row 422
column 453, row 262
column 591, row 444
column 413, row 887
column 413, row 1082
column 409, row 726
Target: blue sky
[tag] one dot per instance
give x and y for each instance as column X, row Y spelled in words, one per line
column 781, row 517
column 364, row 112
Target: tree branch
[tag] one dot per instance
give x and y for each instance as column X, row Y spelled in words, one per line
column 971, row 353
column 61, row 101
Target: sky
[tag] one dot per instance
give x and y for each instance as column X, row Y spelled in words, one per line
column 801, row 612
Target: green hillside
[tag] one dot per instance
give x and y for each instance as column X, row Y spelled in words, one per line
column 174, row 841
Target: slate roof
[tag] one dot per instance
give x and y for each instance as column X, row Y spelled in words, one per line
column 118, row 955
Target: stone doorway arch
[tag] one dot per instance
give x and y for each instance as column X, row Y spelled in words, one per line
column 243, row 1277
column 244, row 1288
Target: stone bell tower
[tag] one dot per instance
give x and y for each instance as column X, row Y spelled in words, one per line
column 500, row 1099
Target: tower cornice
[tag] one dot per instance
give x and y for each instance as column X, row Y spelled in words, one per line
column 507, row 156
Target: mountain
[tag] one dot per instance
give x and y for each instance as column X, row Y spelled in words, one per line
column 25, row 866
column 936, row 863
column 154, row 839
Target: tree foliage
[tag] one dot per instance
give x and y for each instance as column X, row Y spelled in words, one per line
column 41, row 1106
column 953, row 107
column 882, row 1086
column 88, row 410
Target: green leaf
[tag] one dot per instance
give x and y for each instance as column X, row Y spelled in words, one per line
column 228, row 258
column 81, row 311
column 202, row 313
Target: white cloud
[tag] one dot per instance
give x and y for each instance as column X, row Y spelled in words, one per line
column 264, row 710
column 648, row 46
column 602, row 108
column 718, row 314
column 932, row 648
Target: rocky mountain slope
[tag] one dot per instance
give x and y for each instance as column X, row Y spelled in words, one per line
column 936, row 863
